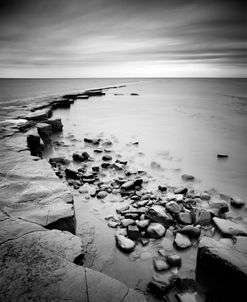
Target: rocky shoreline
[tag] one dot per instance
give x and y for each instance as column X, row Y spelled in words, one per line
column 40, row 248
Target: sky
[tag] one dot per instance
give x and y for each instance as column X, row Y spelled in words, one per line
column 123, row 38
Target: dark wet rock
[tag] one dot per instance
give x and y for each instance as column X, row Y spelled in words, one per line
column 174, row 260
column 188, row 177
column 143, row 224
column 105, row 165
column 229, row 228
column 185, row 218
column 56, row 125
column 173, row 207
column 129, row 185
column 71, row 173
column 101, row 194
column 77, row 157
column 158, row 214
column 202, row 217
column 62, row 103
column 160, row 265
column 107, row 158
column 95, row 168
column 138, row 182
column 222, row 155
column 34, row 144
column 125, row 244
column 159, row 289
column 190, row 231
column 135, row 143
column 45, row 132
column 222, row 268
column 186, row 297
column 98, row 150
column 94, row 92
column 133, row 232
column 181, row 191
column 108, row 150
column 133, row 216
column 126, row 222
column 122, row 162
column 85, row 155
column 155, row 230
column 92, row 141
column 237, row 202
column 162, row 188
column 182, row 241
column 58, row 160
column 134, row 94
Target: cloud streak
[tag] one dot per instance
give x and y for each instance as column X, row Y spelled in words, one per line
column 97, row 38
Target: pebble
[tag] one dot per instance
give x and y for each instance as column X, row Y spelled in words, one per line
column 107, row 157
column 181, row 191
column 125, row 244
column 188, row 177
column 101, row 194
column 133, row 232
column 173, row 207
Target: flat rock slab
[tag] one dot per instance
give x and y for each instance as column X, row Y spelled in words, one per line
column 29, row 188
column 222, row 268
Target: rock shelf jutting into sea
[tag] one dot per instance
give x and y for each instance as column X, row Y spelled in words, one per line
column 80, row 220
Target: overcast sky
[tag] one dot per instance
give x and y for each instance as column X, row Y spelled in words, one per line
column 122, row 38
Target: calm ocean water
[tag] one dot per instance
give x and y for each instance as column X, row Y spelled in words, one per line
column 180, row 123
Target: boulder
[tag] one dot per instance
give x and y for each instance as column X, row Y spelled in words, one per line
column 237, row 202
column 133, row 232
column 182, row 241
column 125, row 244
column 229, row 228
column 158, row 214
column 190, row 231
column 155, row 230
column 185, row 218
column 34, row 144
column 222, row 268
column 174, row 260
column 202, row 217
column 71, row 173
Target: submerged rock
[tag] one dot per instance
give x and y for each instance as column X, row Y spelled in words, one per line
column 188, row 177
column 190, row 231
column 133, row 232
column 173, row 207
column 174, row 260
column 181, row 191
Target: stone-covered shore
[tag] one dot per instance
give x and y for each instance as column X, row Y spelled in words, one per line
column 39, row 262
column 42, row 257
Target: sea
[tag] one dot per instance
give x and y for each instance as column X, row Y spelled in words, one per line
column 181, row 124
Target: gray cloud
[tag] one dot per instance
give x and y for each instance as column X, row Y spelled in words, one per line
column 50, row 34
